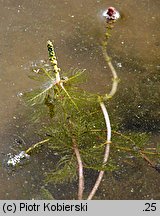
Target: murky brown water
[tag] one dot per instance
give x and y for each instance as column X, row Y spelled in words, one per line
column 76, row 26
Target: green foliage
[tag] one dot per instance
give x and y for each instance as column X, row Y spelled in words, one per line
column 73, row 112
column 76, row 115
column 129, row 145
column 65, row 172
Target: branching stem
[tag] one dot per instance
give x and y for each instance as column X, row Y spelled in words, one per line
column 56, row 69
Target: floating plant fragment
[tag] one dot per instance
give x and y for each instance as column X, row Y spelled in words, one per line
column 14, row 160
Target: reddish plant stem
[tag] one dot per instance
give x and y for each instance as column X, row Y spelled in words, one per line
column 80, row 170
column 103, row 108
column 106, row 154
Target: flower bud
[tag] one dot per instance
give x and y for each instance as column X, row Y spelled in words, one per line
column 111, row 14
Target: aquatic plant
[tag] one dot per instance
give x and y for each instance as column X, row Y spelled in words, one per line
column 78, row 128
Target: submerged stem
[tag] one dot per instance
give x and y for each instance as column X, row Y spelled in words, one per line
column 79, row 161
column 115, row 79
column 80, row 170
column 107, row 150
column 113, row 90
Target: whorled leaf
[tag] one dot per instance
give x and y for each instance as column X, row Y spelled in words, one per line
column 38, row 96
column 66, row 173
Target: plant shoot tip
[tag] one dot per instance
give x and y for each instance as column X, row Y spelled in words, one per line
column 111, row 14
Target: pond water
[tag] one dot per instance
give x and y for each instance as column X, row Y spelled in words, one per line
column 77, row 28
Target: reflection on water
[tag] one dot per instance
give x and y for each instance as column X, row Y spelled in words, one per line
column 77, row 28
